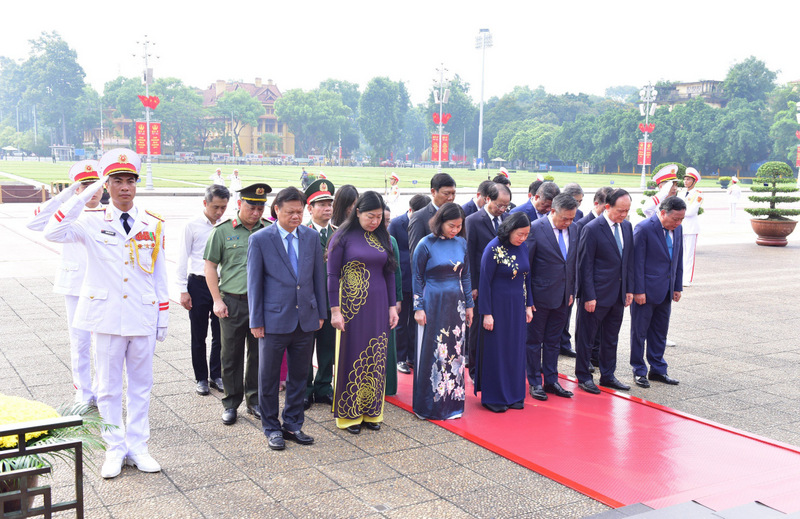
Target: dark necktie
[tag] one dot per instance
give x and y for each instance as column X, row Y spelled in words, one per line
column 324, row 236
column 561, row 244
column 291, row 252
column 125, row 225
column 495, row 224
column 669, row 243
column 616, row 237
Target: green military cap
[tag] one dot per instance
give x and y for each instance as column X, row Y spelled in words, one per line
column 320, row 189
column 255, row 194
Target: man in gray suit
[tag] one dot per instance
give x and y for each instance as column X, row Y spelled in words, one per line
column 286, row 294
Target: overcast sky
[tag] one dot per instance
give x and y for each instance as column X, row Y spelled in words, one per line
column 565, row 46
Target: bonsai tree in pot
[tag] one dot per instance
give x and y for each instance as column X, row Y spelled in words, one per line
column 771, row 224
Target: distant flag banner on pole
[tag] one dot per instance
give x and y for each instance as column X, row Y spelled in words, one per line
column 440, row 152
column 155, row 138
column 141, row 137
column 645, row 155
column 797, row 162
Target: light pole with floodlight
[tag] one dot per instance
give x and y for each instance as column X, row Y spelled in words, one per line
column 148, row 78
column 441, row 96
column 483, row 40
column 647, row 107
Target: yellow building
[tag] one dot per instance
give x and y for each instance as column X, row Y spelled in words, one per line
column 256, row 140
column 709, row 91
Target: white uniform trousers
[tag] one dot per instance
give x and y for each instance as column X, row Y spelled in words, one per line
column 689, row 248
column 80, row 348
column 135, row 353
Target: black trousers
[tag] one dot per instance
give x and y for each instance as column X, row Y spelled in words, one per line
column 406, row 330
column 299, row 346
column 202, row 311
column 542, row 344
column 610, row 318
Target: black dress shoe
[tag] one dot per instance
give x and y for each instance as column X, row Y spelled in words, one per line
column 201, row 388
column 556, row 389
column 229, row 416
column 373, row 426
column 568, row 352
column 275, row 441
column 253, row 410
column 662, row 378
column 307, row 401
column 590, row 387
column 354, row 429
column 325, row 399
column 403, row 367
column 518, row 405
column 496, row 408
column 298, row 437
column 641, row 381
column 538, row 393
column 613, row 383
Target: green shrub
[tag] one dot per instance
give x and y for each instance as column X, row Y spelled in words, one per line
column 779, row 178
column 549, row 178
column 724, row 179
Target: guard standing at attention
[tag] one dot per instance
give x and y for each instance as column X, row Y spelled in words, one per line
column 691, row 226
column 124, row 301
column 227, row 249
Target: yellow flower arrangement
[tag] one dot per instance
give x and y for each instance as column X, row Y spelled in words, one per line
column 16, row 410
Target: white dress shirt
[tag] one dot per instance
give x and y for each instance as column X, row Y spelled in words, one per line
column 190, row 249
column 565, row 232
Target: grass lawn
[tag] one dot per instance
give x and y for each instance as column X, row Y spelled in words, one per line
column 197, row 175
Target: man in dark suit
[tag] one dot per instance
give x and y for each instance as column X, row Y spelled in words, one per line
column 481, row 229
column 443, row 190
column 286, row 286
column 407, row 326
column 530, row 210
column 657, row 282
column 598, row 208
column 475, row 204
column 605, row 282
column 575, row 190
column 553, row 249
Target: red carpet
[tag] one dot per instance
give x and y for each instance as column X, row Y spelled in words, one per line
column 623, row 450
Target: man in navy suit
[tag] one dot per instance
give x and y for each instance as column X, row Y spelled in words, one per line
column 286, row 287
column 443, row 190
column 657, row 282
column 553, row 249
column 407, row 326
column 481, row 229
column 605, row 284
column 539, row 201
column 476, row 204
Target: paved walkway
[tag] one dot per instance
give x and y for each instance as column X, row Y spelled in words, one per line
column 738, row 360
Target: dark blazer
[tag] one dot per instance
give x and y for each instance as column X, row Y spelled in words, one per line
column 470, row 207
column 398, row 228
column 604, row 275
column 418, row 226
column 528, row 209
column 480, row 231
column 578, row 215
column 278, row 299
column 654, row 274
column 552, row 278
column 581, row 223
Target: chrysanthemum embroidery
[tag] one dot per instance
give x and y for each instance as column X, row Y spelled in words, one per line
column 502, row 257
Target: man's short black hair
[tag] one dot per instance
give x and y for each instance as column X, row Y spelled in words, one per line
column 288, row 194
column 419, row 201
column 501, row 179
column 672, row 203
column 534, row 187
column 564, row 202
column 218, row 191
column 601, row 194
column 548, row 191
column 611, row 199
column 483, row 188
column 440, row 180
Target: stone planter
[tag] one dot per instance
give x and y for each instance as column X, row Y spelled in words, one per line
column 724, row 184
column 772, row 233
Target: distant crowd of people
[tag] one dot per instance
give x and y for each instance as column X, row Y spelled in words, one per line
column 440, row 292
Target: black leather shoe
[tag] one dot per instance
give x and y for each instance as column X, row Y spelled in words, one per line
column 518, row 405
column 275, row 441
column 496, row 408
column 556, row 389
column 298, row 437
column 254, row 411
column 202, row 387
column 403, row 367
column 354, row 429
column 568, row 352
column 613, row 383
column 229, row 416
column 373, row 426
column 538, row 393
column 217, row 384
column 307, row 401
column 590, row 387
column 662, row 378
column 641, row 381
column 325, row 399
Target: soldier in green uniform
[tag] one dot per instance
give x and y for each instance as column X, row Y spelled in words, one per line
column 319, row 197
column 226, row 249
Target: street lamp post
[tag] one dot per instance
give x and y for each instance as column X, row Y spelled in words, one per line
column 483, row 40
column 148, row 78
column 440, row 97
column 647, row 107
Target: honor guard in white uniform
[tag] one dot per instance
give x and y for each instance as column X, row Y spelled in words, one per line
column 123, row 301
column 69, row 277
column 666, row 179
column 691, row 226
column 216, row 178
column 235, row 186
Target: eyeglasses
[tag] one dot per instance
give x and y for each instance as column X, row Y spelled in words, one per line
column 502, row 207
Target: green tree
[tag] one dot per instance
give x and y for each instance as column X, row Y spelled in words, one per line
column 741, row 134
column 623, row 93
column 416, row 135
column 350, row 97
column 783, row 135
column 750, row 80
column 54, row 81
column 88, row 113
column 208, row 125
column 121, row 94
column 241, row 109
column 179, row 110
column 461, row 109
column 533, row 144
column 315, row 117
column 382, row 108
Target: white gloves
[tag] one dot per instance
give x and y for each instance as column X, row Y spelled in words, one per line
column 161, row 333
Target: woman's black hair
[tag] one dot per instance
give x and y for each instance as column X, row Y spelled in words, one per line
column 514, row 221
column 342, row 200
column 448, row 211
column 369, row 201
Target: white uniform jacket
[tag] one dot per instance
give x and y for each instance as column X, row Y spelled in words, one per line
column 693, row 199
column 123, row 292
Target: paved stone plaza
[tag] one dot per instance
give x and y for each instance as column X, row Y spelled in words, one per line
column 737, row 359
